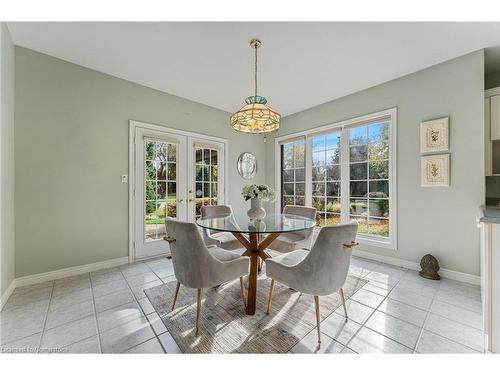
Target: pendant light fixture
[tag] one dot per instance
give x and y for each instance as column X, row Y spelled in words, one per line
column 255, row 117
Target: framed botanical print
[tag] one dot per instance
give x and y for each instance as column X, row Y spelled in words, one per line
column 434, row 135
column 435, row 170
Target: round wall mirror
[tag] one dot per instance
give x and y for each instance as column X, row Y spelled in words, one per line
column 247, row 165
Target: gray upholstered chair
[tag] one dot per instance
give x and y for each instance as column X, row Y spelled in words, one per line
column 197, row 266
column 321, row 271
column 224, row 240
column 287, row 242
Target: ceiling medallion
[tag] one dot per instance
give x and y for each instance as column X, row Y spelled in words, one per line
column 255, row 117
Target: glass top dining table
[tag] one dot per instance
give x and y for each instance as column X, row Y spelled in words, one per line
column 255, row 236
column 272, row 223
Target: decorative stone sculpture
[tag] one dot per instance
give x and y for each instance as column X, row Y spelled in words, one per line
column 430, row 267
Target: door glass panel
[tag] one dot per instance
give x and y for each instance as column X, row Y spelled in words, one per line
column 160, row 187
column 206, row 178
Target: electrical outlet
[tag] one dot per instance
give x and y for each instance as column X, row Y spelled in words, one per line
column 124, row 178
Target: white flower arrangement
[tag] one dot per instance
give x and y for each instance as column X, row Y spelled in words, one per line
column 263, row 192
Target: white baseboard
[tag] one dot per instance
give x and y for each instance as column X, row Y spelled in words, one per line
column 70, row 271
column 454, row 275
column 460, row 276
column 5, row 296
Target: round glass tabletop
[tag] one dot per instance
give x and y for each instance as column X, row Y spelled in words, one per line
column 272, row 223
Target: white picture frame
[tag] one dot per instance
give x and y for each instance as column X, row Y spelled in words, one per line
column 434, row 135
column 435, row 170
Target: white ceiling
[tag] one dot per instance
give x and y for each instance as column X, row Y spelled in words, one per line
column 300, row 64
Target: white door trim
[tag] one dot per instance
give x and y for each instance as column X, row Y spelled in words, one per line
column 133, row 126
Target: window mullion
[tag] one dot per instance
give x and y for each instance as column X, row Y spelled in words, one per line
column 308, row 171
column 344, row 175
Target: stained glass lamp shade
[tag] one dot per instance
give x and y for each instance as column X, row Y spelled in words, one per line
column 255, row 117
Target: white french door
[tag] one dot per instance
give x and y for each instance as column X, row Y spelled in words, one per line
column 174, row 174
column 205, row 175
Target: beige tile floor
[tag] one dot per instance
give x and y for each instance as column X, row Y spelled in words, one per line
column 107, row 312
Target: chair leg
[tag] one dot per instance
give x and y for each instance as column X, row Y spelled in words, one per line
column 198, row 310
column 242, row 289
column 316, row 302
column 176, row 294
column 270, row 300
column 341, row 292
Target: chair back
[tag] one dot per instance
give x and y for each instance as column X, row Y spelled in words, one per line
column 190, row 257
column 305, row 211
column 210, row 212
column 328, row 261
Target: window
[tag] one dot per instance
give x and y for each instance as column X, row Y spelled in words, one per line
column 325, row 182
column 293, row 173
column 369, row 178
column 348, row 173
column 206, row 178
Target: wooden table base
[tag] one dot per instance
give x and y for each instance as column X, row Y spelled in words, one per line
column 255, row 249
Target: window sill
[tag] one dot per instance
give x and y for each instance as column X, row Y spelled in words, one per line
column 369, row 241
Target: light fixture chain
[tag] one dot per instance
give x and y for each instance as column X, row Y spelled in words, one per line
column 256, row 73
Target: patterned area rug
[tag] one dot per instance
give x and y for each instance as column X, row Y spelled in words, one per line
column 224, row 326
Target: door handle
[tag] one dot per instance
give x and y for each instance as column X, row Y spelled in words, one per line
column 190, row 200
column 181, row 200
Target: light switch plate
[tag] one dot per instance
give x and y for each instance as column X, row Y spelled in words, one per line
column 124, row 178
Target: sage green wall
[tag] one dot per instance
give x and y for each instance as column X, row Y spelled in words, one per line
column 71, row 148
column 7, row 257
column 72, row 145
column 440, row 221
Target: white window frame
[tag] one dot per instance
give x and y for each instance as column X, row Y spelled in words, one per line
column 389, row 115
